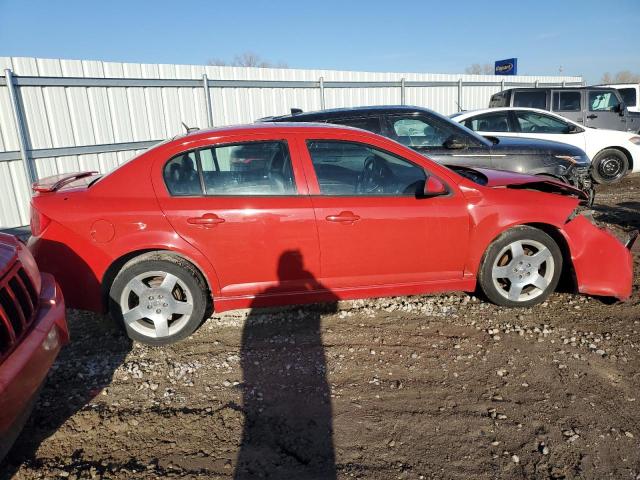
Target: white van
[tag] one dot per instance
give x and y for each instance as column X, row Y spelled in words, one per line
column 630, row 93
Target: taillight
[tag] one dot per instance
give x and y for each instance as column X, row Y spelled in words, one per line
column 39, row 222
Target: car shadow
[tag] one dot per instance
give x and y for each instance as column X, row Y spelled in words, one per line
column 625, row 214
column 288, row 426
column 82, row 370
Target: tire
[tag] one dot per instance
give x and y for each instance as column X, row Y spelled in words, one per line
column 609, row 166
column 159, row 298
column 512, row 276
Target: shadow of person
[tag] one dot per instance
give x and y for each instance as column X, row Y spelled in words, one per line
column 288, row 430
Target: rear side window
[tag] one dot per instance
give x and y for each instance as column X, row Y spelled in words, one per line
column 253, row 168
column 566, row 102
column 500, row 99
column 629, row 96
column 355, row 169
column 533, row 122
column 371, row 124
column 534, row 99
column 490, row 122
column 602, row 101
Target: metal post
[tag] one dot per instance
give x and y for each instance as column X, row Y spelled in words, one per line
column 18, row 118
column 537, row 83
column 207, row 100
column 321, row 84
column 403, row 92
column 460, row 95
column 502, row 85
column 564, row 83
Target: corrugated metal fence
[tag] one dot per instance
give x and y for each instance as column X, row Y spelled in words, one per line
column 59, row 116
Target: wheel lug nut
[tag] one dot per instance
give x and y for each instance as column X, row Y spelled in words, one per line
column 165, row 304
column 158, row 311
column 150, row 298
column 149, row 307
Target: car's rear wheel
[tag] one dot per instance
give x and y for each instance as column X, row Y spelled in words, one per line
column 159, row 298
column 520, row 268
column 609, row 166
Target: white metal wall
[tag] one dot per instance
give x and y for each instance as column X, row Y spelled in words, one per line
column 77, row 116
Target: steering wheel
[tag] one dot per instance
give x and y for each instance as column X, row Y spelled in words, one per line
column 374, row 176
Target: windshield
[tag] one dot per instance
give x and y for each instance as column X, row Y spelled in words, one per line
column 463, row 130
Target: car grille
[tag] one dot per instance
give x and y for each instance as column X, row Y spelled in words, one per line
column 18, row 306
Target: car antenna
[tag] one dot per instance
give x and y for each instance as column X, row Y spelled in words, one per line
column 189, row 129
column 460, row 109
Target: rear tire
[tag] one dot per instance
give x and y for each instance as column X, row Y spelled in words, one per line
column 159, row 298
column 609, row 166
column 520, row 268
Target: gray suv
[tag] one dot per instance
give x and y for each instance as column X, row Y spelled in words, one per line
column 597, row 107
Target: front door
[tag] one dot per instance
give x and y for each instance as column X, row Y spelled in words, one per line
column 373, row 225
column 603, row 111
column 244, row 206
column 431, row 136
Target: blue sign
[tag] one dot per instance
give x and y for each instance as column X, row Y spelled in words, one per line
column 507, row 67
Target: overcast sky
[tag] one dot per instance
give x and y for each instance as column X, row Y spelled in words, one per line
column 577, row 37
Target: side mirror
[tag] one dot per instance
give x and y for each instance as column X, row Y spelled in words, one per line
column 454, row 142
column 619, row 108
column 434, row 187
column 573, row 128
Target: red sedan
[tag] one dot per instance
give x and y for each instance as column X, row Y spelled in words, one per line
column 291, row 213
column 32, row 331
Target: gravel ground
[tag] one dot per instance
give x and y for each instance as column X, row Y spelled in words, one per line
column 443, row 386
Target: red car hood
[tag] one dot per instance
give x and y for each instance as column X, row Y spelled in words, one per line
column 501, row 178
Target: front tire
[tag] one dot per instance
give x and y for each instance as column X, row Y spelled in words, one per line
column 520, row 268
column 609, row 166
column 159, row 298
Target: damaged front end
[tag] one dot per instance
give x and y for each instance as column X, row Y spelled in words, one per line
column 603, row 265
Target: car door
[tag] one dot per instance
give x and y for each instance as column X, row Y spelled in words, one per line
column 244, row 205
column 603, row 110
column 492, row 123
column 374, row 227
column 429, row 135
column 568, row 103
column 547, row 127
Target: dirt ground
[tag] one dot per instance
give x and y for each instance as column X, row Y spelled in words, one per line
column 443, row 386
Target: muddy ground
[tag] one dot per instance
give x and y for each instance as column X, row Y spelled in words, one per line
column 424, row 387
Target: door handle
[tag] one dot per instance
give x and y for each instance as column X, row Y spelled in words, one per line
column 343, row 217
column 207, row 220
column 592, row 116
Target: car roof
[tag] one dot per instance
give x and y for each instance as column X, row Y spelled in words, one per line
column 264, row 127
column 586, row 87
column 339, row 112
column 482, row 111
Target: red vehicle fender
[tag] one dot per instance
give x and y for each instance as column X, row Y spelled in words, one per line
column 602, row 264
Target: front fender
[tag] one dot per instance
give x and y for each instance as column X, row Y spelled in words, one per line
column 603, row 266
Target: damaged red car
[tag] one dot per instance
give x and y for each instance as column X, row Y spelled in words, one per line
column 32, row 331
column 272, row 214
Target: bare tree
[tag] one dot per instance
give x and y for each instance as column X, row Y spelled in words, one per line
column 625, row 76
column 477, row 69
column 247, row 59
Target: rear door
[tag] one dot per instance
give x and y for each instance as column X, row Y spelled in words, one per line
column 373, row 225
column 603, row 110
column 244, row 205
column 568, row 103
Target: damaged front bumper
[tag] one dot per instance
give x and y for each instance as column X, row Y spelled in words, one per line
column 580, row 177
column 603, row 266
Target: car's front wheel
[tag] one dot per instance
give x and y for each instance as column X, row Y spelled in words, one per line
column 159, row 298
column 520, row 268
column 609, row 166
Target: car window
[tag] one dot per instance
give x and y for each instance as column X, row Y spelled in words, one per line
column 421, row 131
column 533, row 99
column 355, row 169
column 628, row 96
column 600, row 101
column 255, row 168
column 371, row 124
column 566, row 102
column 532, row 122
column 489, row 122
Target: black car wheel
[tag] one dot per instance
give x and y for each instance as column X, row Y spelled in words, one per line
column 609, row 166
